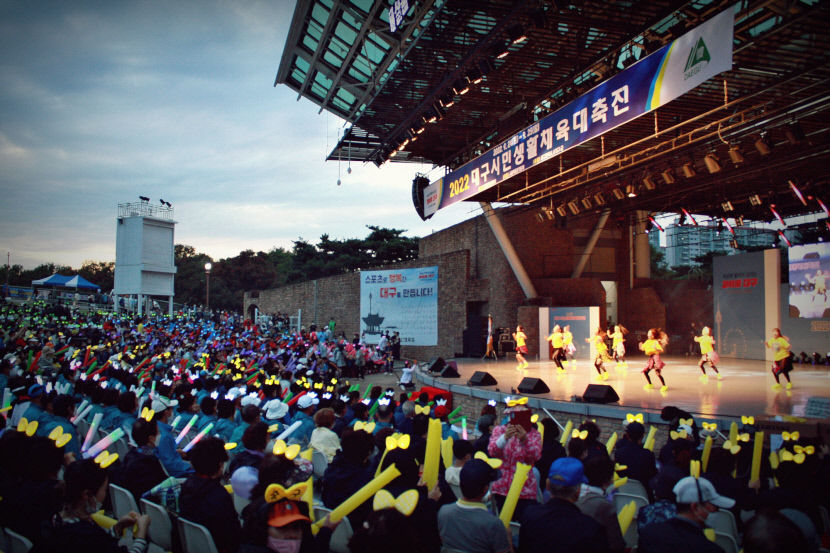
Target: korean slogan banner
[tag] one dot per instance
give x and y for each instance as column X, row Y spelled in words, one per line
column 655, row 80
column 402, row 300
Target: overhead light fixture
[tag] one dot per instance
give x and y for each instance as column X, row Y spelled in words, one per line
column 618, row 193
column 668, row 176
column 630, row 191
column 403, row 144
column 735, row 155
column 648, row 182
column 516, row 34
column 560, row 209
column 734, row 244
column 763, row 146
column 599, row 198
column 688, row 170
column 586, row 202
column 461, row 87
column 755, row 200
column 739, row 221
column 573, row 206
column 447, row 100
column 500, row 50
column 794, row 134
column 711, row 162
column 475, row 76
column 548, row 213
column 540, row 216
column 604, row 163
column 727, row 206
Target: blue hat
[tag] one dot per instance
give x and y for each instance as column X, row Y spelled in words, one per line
column 567, row 471
column 36, row 390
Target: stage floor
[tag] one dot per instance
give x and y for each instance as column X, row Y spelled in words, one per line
column 746, row 387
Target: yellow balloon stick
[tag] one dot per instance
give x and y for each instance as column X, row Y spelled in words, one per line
column 432, row 455
column 361, row 496
column 733, row 433
column 625, row 516
column 757, row 450
column 649, row 443
column 707, row 450
column 566, row 434
column 519, row 478
column 612, row 441
column 446, row 452
column 541, row 428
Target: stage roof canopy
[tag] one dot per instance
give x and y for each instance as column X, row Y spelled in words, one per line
column 457, row 77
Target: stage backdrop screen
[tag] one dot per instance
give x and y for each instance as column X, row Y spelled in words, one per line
column 809, row 273
column 402, row 300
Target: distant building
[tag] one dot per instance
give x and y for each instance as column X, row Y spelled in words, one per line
column 685, row 243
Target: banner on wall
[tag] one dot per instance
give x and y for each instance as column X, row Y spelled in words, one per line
column 400, row 300
column 654, row 81
column 739, row 285
column 580, row 319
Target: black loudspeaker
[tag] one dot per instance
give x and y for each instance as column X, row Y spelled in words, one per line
column 436, row 365
column 482, row 378
column 450, row 370
column 419, row 184
column 600, row 393
column 533, row 386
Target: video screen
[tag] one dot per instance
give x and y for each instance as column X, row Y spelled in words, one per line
column 809, row 274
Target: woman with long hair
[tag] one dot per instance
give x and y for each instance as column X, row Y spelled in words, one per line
column 653, row 347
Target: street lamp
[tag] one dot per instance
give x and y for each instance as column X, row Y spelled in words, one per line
column 208, row 267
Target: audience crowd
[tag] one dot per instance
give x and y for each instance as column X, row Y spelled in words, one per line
column 258, row 434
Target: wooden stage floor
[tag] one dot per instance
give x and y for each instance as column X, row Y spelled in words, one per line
column 746, row 387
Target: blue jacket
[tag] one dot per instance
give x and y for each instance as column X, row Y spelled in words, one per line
column 74, row 444
column 303, row 434
column 225, row 428
column 167, row 454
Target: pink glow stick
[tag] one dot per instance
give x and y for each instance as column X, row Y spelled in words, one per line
column 104, row 443
column 96, row 420
column 186, row 428
column 199, row 436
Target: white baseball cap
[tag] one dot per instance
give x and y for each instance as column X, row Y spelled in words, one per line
column 699, row 490
column 307, row 401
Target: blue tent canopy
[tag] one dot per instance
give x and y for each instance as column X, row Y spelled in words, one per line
column 77, row 282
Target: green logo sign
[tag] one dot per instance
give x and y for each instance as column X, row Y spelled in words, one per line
column 697, row 56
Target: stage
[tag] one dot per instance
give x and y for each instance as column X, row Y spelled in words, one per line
column 746, row 387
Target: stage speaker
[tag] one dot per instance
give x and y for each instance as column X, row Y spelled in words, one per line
column 533, row 386
column 450, row 370
column 482, row 378
column 436, row 365
column 600, row 393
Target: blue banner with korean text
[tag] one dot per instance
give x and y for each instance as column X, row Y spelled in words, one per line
column 400, row 300
column 655, row 80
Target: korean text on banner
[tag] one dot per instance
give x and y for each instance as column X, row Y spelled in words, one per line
column 400, row 300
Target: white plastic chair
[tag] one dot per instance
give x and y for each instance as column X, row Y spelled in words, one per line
column 723, row 522
column 621, row 500
column 634, row 487
column 121, row 448
column 239, row 503
column 160, row 531
column 342, row 534
column 83, row 428
column 456, row 489
column 17, row 543
column 319, row 462
column 726, row 542
column 122, row 501
column 195, row 538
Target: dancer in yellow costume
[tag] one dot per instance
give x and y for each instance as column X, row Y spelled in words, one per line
column 707, row 352
column 618, row 344
column 602, row 353
column 568, row 346
column 521, row 347
column 556, row 341
column 653, row 347
column 782, row 360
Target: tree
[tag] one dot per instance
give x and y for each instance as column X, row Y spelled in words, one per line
column 101, row 273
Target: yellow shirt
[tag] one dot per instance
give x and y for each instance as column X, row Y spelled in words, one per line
column 781, row 347
column 520, row 339
column 652, row 346
column 600, row 344
column 567, row 338
column 705, row 344
column 556, row 339
column 616, row 338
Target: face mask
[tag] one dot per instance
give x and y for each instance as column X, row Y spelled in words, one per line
column 283, row 546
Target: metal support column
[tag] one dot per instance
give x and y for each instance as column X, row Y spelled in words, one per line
column 592, row 241
column 509, row 251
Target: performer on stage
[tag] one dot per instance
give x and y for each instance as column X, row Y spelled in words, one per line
column 602, row 353
column 707, row 353
column 618, row 344
column 819, row 283
column 556, row 340
column 568, row 346
column 521, row 347
column 782, row 362
column 653, row 347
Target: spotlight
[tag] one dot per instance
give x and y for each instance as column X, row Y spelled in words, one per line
column 460, row 87
column 668, row 176
column 688, row 170
column 599, row 198
column 762, row 146
column 735, row 155
column 739, row 221
column 586, row 202
column 794, row 134
column 475, row 76
column 726, row 206
column 630, row 191
column 144, row 198
column 548, row 213
column 573, row 206
column 734, row 244
column 561, row 210
column 540, row 216
column 618, row 193
column 711, row 162
column 500, row 50
column 447, row 100
column 648, row 182
column 755, row 200
column 516, row 34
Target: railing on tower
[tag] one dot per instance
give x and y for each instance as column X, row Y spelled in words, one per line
column 145, row 209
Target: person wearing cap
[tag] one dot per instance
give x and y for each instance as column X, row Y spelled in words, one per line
column 38, row 399
column 282, row 527
column 630, row 452
column 593, row 500
column 166, row 450
column 305, row 409
column 696, row 499
column 559, row 525
column 467, row 525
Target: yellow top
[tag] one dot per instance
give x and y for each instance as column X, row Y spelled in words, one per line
column 556, row 339
column 652, row 346
column 567, row 338
column 520, row 339
column 705, row 344
column 617, row 338
column 599, row 342
column 781, row 347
